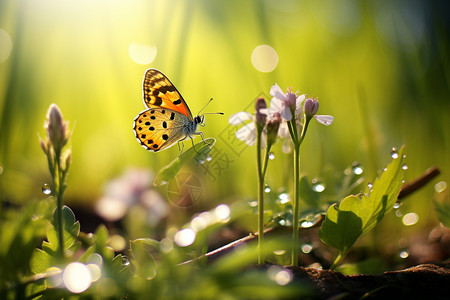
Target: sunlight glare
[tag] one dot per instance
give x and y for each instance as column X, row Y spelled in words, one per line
column 185, row 237
column 142, row 54
column 264, row 58
column 77, row 277
column 223, row 212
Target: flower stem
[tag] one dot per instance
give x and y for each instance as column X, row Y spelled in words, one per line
column 296, row 206
column 59, row 190
column 260, row 199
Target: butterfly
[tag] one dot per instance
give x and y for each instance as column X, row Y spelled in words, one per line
column 167, row 118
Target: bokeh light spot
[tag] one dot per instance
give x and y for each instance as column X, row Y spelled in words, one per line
column 185, row 237
column 111, row 208
column 77, row 277
column 142, row 54
column 264, row 58
column 117, row 242
column 223, row 212
column 440, row 186
column 280, row 275
column 410, row 219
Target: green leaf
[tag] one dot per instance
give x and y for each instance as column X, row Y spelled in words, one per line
column 307, row 193
column 40, row 261
column 71, row 229
column 198, row 154
column 144, row 262
column 101, row 236
column 345, row 223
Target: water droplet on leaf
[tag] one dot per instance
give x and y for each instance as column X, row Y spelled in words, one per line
column 404, row 167
column 397, row 205
column 125, row 261
column 394, row 153
column 46, row 189
column 318, row 187
column 208, row 158
column 357, row 169
column 271, row 156
column 369, row 185
column 267, row 189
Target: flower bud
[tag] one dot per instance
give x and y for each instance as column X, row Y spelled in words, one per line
column 44, row 145
column 291, row 98
column 57, row 129
column 260, row 118
column 311, row 107
column 272, row 128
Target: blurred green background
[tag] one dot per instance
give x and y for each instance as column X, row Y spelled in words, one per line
column 381, row 68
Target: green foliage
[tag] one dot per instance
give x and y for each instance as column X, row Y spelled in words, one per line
column 198, row 153
column 356, row 215
column 21, row 230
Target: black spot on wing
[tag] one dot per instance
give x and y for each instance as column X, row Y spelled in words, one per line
column 164, row 124
column 165, row 137
column 177, row 102
column 172, row 116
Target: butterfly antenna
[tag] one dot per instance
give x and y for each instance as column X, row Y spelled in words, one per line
column 209, row 113
column 205, row 105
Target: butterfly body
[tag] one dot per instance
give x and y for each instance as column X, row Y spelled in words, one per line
column 167, row 119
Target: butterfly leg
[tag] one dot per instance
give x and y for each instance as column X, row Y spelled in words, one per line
column 182, row 145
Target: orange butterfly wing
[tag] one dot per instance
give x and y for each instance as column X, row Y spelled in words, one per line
column 158, row 91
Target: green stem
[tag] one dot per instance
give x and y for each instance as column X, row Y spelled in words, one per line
column 296, row 246
column 338, row 260
column 59, row 190
column 260, row 198
column 296, row 204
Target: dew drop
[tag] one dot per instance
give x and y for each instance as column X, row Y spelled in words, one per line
column 125, row 261
column 385, row 169
column 357, row 169
column 267, row 189
column 46, row 189
column 306, row 248
column 404, row 254
column 318, row 187
column 397, row 205
column 370, row 185
column 394, row 153
column 271, row 156
column 208, row 158
column 404, row 167
column 253, row 203
column 306, row 224
column 201, row 161
column 284, row 198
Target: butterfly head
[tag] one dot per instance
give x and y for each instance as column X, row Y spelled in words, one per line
column 200, row 120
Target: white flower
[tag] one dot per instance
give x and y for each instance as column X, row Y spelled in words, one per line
column 246, row 133
column 324, row 119
column 283, row 103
